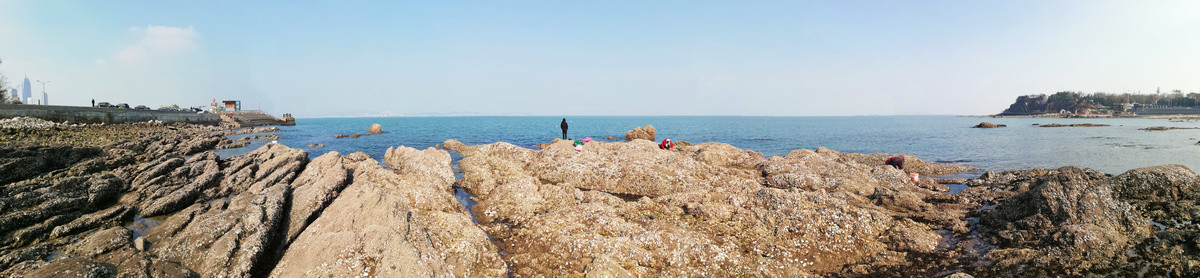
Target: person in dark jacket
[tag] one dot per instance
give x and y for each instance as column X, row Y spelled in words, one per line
column 563, row 125
column 896, row 161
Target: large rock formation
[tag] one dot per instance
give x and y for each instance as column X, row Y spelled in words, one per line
column 1066, row 223
column 225, row 238
column 404, row 222
column 25, row 162
column 316, row 187
column 266, row 166
column 75, row 213
column 1028, row 105
column 612, row 209
column 866, row 176
column 1166, row 195
column 631, row 209
column 912, row 164
column 642, row 132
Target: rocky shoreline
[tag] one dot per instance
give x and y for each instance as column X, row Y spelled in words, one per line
column 154, row 200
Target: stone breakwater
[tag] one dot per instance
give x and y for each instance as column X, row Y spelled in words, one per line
column 27, row 123
column 153, row 200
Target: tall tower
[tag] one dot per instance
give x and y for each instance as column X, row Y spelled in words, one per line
column 26, row 91
column 45, row 99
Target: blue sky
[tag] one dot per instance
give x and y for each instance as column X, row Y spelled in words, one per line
column 598, row 57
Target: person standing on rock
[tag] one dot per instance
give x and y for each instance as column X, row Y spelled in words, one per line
column 563, row 125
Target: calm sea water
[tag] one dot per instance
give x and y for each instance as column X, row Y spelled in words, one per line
column 949, row 139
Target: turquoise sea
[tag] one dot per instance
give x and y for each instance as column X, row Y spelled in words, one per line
column 948, row 139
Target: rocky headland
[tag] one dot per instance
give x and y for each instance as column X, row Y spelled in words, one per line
column 153, row 200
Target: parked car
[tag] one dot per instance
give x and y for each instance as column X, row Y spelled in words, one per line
column 123, row 105
column 104, row 105
column 141, row 107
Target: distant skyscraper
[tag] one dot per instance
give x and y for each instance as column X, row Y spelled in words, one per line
column 26, row 91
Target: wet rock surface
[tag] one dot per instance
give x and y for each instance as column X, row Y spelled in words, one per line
column 152, row 200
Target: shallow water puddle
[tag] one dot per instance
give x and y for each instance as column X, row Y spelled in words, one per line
column 948, row 240
column 1160, row 226
column 226, row 198
column 956, row 188
column 231, row 152
column 986, row 207
column 464, row 199
column 141, row 226
column 55, row 255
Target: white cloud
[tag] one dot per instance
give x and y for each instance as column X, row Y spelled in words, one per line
column 157, row 41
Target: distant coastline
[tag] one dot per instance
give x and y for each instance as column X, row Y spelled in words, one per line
column 1104, row 105
column 1094, row 116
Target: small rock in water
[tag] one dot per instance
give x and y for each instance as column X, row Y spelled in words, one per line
column 644, row 132
column 988, row 125
column 356, row 135
column 375, row 129
column 340, row 136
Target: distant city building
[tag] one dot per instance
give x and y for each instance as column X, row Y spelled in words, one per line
column 26, row 91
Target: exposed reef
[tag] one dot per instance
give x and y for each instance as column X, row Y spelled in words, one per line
column 153, row 200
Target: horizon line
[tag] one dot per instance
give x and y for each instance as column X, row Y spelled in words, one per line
column 598, row 115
